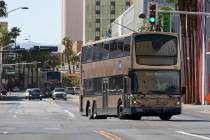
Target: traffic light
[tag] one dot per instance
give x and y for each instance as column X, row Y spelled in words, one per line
column 152, row 13
column 166, row 23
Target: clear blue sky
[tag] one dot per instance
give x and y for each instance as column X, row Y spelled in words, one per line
column 42, row 22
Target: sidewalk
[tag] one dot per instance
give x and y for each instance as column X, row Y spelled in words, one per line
column 200, row 108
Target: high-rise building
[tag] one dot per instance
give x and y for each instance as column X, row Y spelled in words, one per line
column 98, row 16
column 72, row 24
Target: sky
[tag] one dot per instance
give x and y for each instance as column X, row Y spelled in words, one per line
column 41, row 23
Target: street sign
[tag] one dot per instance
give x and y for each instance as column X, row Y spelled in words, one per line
column 166, row 23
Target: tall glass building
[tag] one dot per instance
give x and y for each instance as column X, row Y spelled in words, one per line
column 98, row 16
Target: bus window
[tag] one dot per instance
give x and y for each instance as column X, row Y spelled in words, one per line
column 120, row 44
column 156, row 49
column 84, row 53
column 99, row 51
column 127, row 44
column 95, row 52
column 116, row 85
column 89, row 54
column 106, row 50
column 113, row 49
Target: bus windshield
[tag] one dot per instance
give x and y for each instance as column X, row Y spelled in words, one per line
column 156, row 82
column 156, row 49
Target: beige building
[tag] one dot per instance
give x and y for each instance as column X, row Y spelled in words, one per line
column 4, row 25
column 72, row 17
column 77, row 45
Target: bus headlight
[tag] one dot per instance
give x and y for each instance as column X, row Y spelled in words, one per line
column 178, row 102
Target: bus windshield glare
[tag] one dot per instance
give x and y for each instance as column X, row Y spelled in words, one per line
column 156, row 82
column 156, row 49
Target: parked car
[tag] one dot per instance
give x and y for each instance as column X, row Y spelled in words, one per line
column 16, row 89
column 27, row 93
column 77, row 90
column 59, row 93
column 35, row 93
column 72, row 90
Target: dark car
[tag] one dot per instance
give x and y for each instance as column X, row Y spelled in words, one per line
column 35, row 93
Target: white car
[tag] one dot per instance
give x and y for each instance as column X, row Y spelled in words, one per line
column 59, row 93
column 27, row 93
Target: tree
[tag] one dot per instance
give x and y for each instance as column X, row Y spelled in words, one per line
column 68, row 51
column 15, row 32
column 3, row 9
column 74, row 59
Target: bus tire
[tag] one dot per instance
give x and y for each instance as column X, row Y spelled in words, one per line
column 165, row 117
column 135, row 117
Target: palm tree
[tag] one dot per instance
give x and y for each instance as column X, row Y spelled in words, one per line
column 68, row 50
column 15, row 32
column 74, row 58
column 3, row 9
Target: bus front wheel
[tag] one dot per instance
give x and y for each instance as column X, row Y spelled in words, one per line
column 165, row 117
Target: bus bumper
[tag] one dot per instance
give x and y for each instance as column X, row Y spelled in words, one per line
column 154, row 111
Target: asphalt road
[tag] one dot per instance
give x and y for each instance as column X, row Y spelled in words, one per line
column 21, row 119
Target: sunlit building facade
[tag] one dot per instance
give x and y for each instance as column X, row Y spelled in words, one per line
column 98, row 16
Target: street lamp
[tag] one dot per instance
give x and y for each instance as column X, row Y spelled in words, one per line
column 24, row 8
column 1, row 48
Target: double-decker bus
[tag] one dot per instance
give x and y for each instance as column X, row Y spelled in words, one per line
column 131, row 76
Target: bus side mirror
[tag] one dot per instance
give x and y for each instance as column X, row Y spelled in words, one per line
column 183, row 90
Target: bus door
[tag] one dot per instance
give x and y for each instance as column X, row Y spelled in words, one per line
column 105, row 87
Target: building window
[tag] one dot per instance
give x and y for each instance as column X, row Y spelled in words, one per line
column 112, row 8
column 97, row 16
column 98, row 2
column 98, row 20
column 97, row 25
column 112, row 11
column 97, row 33
column 97, row 7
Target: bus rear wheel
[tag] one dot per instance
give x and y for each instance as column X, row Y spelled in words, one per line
column 165, row 117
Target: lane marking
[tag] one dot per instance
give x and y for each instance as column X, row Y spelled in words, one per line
column 55, row 128
column 108, row 135
column 15, row 116
column 193, row 135
column 69, row 113
column 177, row 117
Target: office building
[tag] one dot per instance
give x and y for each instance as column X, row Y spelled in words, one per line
column 98, row 16
column 72, row 20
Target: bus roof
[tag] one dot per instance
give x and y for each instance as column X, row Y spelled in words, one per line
column 130, row 34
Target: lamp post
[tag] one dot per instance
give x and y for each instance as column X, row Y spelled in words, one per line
column 24, row 8
column 1, row 48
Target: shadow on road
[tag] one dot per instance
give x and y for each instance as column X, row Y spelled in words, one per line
column 11, row 98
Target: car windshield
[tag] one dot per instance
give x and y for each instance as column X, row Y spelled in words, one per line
column 156, row 82
column 59, row 90
column 70, row 88
column 36, row 91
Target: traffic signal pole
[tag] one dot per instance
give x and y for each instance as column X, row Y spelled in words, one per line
column 204, row 73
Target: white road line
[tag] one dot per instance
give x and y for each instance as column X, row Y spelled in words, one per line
column 69, row 113
column 15, row 116
column 177, row 117
column 193, row 135
column 52, row 128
